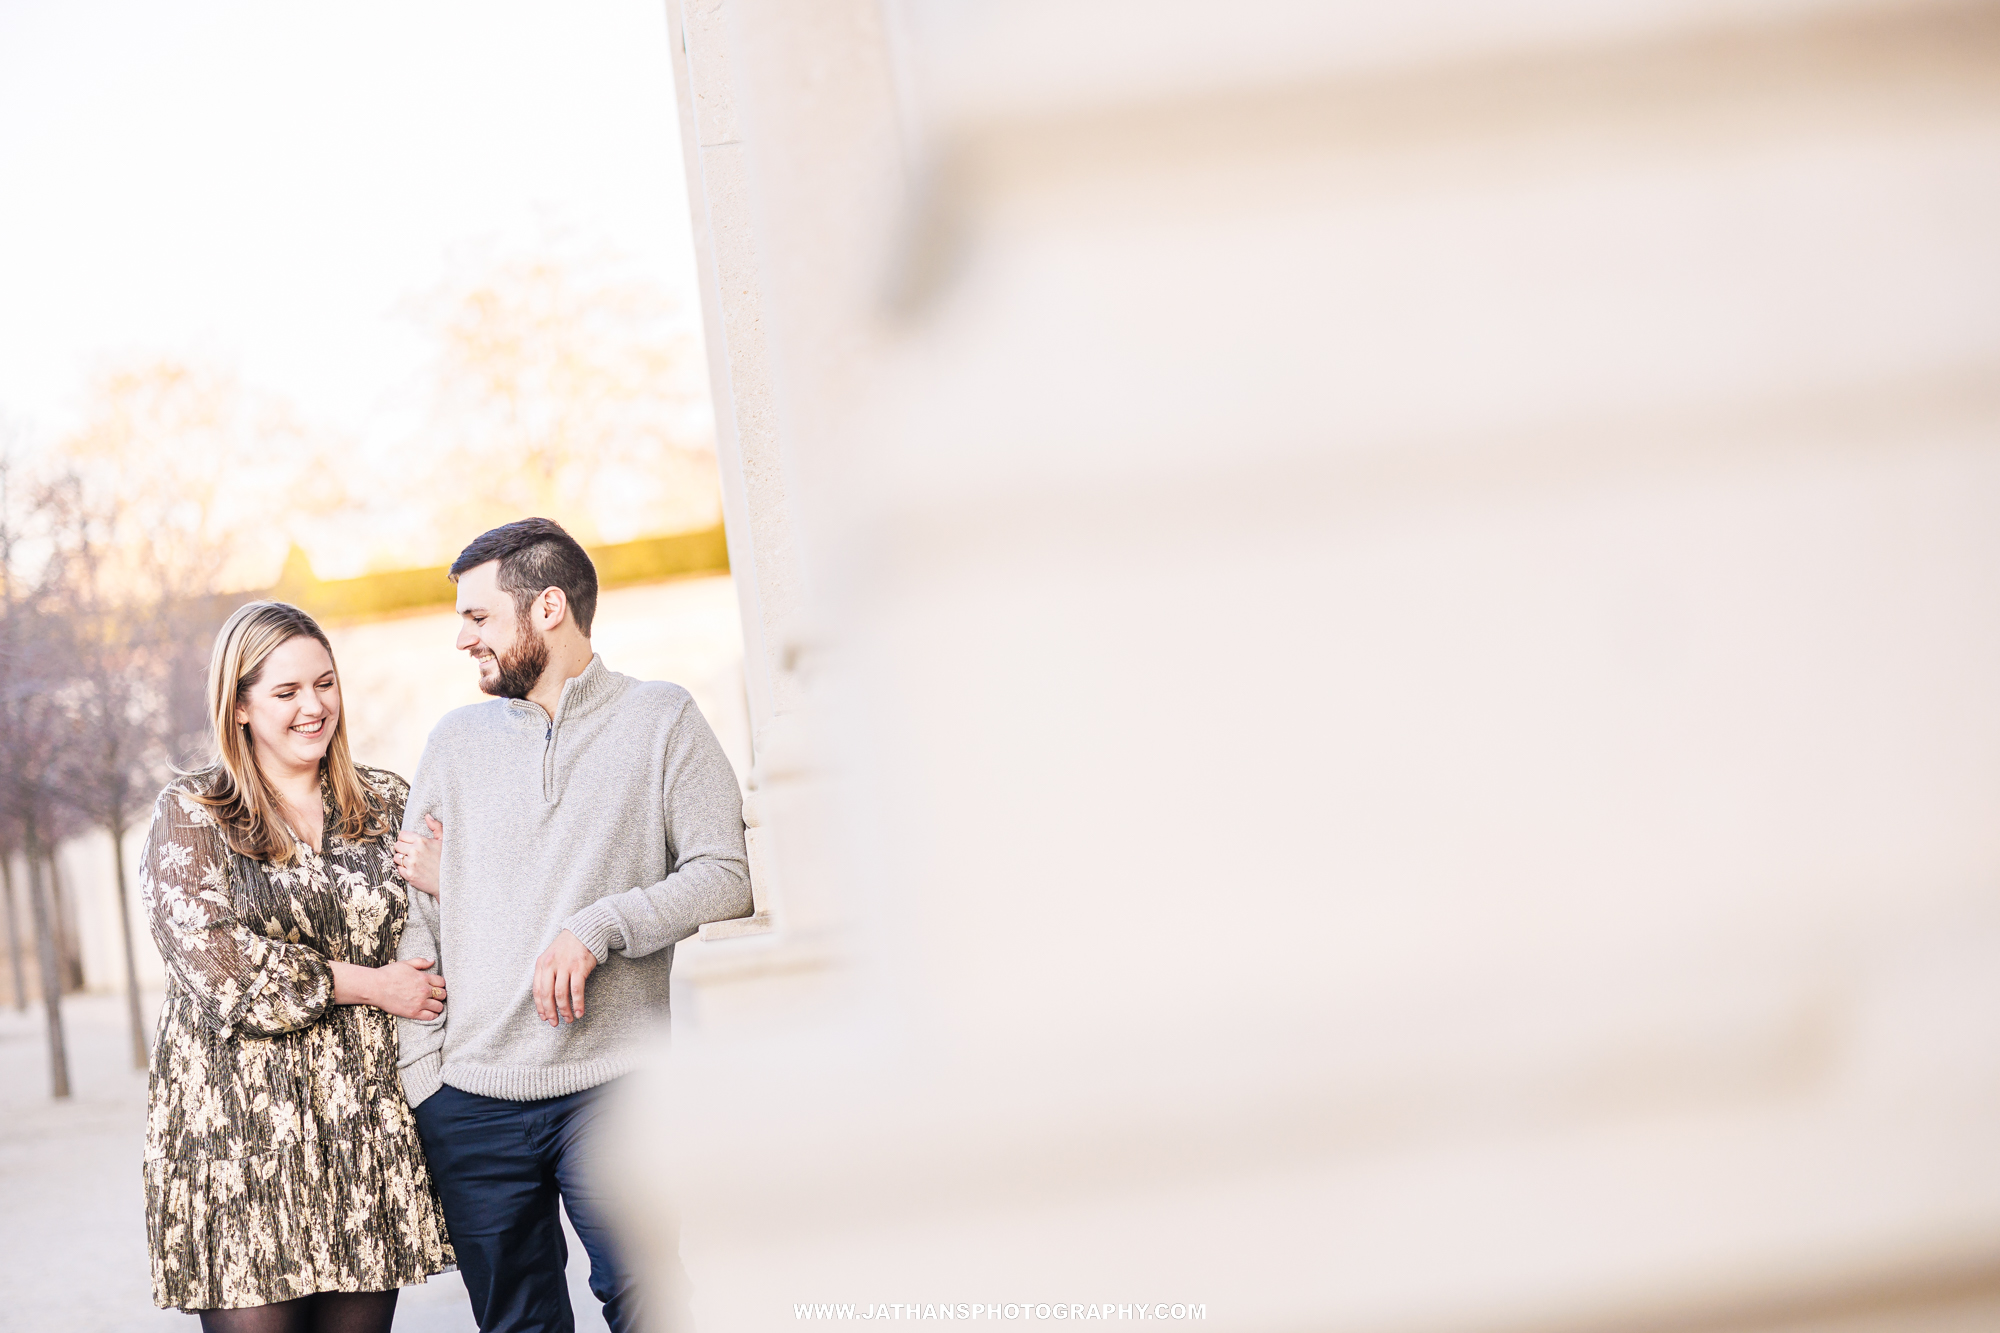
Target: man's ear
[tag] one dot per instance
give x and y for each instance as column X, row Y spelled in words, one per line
column 551, row 607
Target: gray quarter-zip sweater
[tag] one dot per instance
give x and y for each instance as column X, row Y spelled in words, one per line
column 618, row 820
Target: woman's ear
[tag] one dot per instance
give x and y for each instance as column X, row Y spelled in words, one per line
column 242, row 715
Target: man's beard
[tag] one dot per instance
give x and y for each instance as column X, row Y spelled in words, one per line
column 518, row 671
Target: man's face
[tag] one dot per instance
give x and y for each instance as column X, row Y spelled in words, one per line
column 511, row 655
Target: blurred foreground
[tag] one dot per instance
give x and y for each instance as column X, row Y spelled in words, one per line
column 1372, row 637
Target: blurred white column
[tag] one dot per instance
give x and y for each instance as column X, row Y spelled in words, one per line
column 1378, row 637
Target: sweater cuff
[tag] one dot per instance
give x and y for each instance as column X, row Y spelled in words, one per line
column 422, row 1077
column 597, row 926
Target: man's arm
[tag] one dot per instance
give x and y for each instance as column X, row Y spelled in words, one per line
column 421, row 1058
column 711, row 870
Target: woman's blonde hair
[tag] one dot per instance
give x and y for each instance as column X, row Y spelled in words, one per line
column 246, row 805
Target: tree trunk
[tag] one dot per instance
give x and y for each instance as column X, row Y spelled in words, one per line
column 133, row 1009
column 16, row 965
column 68, row 942
column 45, row 947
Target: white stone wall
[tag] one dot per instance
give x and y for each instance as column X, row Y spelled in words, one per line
column 1381, row 703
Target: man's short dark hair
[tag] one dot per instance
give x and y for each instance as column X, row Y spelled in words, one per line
column 535, row 553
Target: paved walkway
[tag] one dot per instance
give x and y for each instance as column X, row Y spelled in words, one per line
column 72, row 1225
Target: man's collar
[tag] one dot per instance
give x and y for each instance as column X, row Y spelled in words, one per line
column 585, row 690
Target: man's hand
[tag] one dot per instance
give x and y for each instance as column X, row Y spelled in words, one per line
column 559, row 976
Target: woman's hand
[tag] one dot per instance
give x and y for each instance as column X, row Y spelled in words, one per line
column 404, row 989
column 408, row 991
column 418, row 857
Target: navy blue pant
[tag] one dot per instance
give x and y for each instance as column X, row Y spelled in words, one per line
column 500, row 1167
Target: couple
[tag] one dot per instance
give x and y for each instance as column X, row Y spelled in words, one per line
column 304, row 1157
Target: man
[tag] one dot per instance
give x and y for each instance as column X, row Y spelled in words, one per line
column 590, row 821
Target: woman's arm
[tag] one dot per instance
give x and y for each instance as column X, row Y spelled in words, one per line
column 405, row 989
column 241, row 980
column 410, row 987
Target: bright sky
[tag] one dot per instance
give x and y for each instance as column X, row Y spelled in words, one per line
column 261, row 186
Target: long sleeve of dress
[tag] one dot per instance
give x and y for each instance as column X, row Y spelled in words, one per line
column 242, row 980
column 421, row 1058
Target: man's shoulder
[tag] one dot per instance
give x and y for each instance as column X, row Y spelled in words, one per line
column 654, row 706
column 661, row 695
column 470, row 720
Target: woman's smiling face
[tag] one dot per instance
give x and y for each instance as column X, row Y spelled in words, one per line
column 292, row 707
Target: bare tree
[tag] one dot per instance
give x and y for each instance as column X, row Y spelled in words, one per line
column 31, row 731
column 10, row 826
column 133, row 696
column 112, row 557
column 62, row 908
column 48, row 966
column 157, row 506
column 60, row 821
column 16, row 968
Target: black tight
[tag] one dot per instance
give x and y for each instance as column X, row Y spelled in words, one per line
column 323, row 1312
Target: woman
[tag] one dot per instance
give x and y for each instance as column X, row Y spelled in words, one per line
column 285, row 1187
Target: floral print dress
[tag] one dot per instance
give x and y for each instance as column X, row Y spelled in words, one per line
column 281, row 1158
